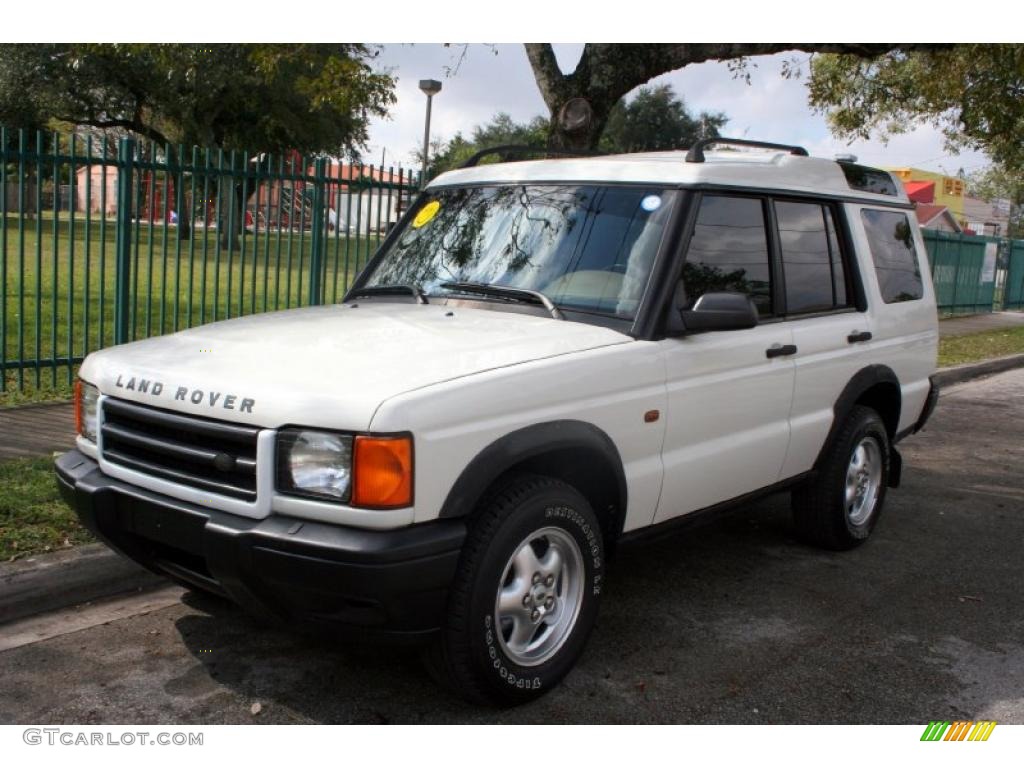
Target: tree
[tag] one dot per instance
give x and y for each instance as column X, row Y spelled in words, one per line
column 973, row 93
column 581, row 102
column 256, row 97
column 237, row 96
column 501, row 130
column 655, row 119
column 998, row 183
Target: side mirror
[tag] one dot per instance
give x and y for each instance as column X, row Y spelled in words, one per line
column 720, row 312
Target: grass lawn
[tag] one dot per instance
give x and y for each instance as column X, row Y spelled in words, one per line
column 955, row 350
column 59, row 285
column 33, row 518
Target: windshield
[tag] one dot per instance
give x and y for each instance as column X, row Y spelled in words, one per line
column 586, row 248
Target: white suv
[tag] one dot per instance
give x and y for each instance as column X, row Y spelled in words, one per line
column 543, row 359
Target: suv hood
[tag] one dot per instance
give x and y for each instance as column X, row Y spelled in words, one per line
column 329, row 366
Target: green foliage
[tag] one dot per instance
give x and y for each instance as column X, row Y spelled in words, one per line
column 258, row 97
column 972, row 93
column 655, row 119
column 501, row 130
column 956, row 350
column 33, row 518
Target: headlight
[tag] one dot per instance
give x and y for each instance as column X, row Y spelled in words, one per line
column 312, row 463
column 87, row 400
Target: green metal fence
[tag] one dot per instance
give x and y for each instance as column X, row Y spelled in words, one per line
column 963, row 271
column 1013, row 297
column 103, row 243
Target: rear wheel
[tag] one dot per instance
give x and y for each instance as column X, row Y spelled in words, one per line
column 839, row 508
column 525, row 596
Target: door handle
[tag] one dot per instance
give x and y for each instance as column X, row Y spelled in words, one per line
column 858, row 336
column 780, row 350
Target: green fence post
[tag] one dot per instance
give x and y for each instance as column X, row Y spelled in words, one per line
column 954, row 307
column 123, row 255
column 316, row 256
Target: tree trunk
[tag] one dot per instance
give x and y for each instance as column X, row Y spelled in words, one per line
column 232, row 217
column 184, row 217
column 585, row 140
column 608, row 71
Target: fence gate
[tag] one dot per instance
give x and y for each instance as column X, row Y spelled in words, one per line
column 103, row 243
column 1013, row 298
column 963, row 271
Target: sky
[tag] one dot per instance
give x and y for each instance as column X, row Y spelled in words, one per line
column 498, row 78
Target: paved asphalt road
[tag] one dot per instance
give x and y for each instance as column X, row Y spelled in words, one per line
column 734, row 622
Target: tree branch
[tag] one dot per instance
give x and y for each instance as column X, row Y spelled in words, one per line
column 546, row 72
column 132, row 125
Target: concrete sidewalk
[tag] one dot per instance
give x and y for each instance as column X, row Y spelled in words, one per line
column 36, row 430
column 990, row 321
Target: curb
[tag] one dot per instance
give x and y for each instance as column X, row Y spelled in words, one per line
column 947, row 377
column 61, row 579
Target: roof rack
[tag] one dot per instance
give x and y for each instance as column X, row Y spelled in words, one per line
column 696, row 153
column 506, row 149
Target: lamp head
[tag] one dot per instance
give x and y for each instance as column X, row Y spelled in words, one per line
column 430, row 87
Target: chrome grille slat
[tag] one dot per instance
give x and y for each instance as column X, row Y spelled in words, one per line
column 172, row 448
column 200, row 453
column 121, row 409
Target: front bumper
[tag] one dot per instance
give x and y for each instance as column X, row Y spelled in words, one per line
column 391, row 584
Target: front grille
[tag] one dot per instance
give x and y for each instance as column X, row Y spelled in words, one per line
column 211, row 455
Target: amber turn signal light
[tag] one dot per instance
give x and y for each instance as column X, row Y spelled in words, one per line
column 382, row 472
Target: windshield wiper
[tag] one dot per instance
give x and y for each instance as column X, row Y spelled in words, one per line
column 505, row 292
column 392, row 290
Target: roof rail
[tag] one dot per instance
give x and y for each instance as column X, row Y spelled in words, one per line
column 696, row 153
column 505, row 149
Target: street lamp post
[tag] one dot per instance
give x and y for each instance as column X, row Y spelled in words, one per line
column 430, row 88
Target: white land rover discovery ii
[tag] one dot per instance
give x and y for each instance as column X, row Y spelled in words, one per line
column 543, row 359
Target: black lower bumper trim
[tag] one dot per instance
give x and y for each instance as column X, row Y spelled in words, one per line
column 391, row 584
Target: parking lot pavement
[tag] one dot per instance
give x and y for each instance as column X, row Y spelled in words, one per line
column 733, row 622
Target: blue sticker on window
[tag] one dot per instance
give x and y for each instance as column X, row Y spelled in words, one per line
column 651, row 203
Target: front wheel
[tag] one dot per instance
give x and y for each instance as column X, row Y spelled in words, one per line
column 839, row 508
column 525, row 596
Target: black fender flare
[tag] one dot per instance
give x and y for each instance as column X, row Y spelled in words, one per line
column 523, row 444
column 862, row 381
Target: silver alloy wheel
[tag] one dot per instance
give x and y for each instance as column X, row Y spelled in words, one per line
column 863, row 480
column 539, row 597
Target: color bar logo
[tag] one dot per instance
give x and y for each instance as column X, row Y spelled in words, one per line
column 961, row 730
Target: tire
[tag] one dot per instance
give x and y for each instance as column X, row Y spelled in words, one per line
column 840, row 507
column 537, row 542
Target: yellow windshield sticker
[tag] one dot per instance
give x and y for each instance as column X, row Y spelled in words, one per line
column 426, row 214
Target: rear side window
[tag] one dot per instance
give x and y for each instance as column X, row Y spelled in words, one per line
column 891, row 237
column 866, row 179
column 729, row 251
column 815, row 277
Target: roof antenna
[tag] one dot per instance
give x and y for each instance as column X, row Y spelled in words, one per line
column 846, row 157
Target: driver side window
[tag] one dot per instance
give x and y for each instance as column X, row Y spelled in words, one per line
column 729, row 252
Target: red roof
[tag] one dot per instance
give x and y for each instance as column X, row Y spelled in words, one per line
column 920, row 191
column 925, row 213
column 345, row 172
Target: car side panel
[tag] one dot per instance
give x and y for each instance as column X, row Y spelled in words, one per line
column 728, row 424
column 611, row 387
column 825, row 363
column 906, row 333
